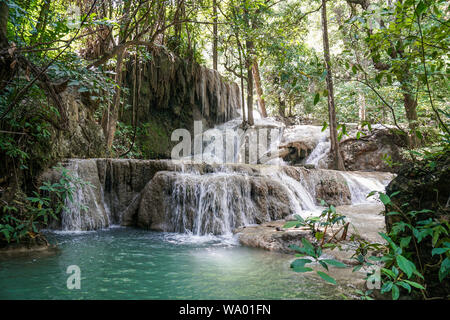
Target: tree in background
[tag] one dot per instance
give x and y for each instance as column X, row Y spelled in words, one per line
column 338, row 162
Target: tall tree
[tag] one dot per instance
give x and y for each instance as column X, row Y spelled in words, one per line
column 398, row 60
column 5, row 56
column 215, row 39
column 338, row 162
column 259, row 90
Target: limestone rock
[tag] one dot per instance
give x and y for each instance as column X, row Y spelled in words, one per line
column 84, row 136
column 172, row 94
column 366, row 153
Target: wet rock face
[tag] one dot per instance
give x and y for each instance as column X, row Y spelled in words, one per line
column 200, row 198
column 366, row 153
column 333, row 191
column 172, row 93
column 84, row 136
column 209, row 203
column 424, row 185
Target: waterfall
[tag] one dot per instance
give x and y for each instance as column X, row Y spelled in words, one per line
column 86, row 210
column 213, row 196
column 319, row 155
column 362, row 183
column 227, row 197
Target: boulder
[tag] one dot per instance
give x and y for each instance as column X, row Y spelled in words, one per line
column 367, row 152
column 209, row 203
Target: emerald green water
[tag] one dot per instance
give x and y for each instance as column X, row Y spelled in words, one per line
column 126, row 263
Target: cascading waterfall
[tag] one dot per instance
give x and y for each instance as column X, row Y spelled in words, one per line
column 86, row 209
column 212, row 197
column 320, row 152
column 214, row 203
column 362, row 183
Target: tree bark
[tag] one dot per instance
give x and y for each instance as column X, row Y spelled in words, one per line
column 42, row 21
column 362, row 109
column 249, row 64
column 338, row 163
column 281, row 107
column 110, row 116
column 410, row 105
column 215, row 55
column 242, row 83
column 259, row 90
column 249, row 45
column 5, row 58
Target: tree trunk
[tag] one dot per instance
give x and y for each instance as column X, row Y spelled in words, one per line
column 362, row 109
column 338, row 163
column 5, row 58
column 242, row 88
column 110, row 117
column 410, row 105
column 259, row 91
column 249, row 64
column 215, row 56
column 281, row 107
column 42, row 21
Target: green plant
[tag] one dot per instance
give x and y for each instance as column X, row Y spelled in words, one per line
column 398, row 270
column 23, row 218
column 327, row 220
column 364, row 295
column 312, row 254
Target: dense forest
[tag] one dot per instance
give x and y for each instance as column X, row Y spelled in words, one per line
column 113, row 79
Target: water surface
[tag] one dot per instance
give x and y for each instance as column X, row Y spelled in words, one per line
column 127, row 263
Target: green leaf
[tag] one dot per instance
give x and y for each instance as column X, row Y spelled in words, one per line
column 445, row 269
column 371, row 193
column 405, row 265
column 387, row 287
column 357, row 268
column 421, row 7
column 316, row 98
column 291, row 224
column 323, row 264
column 388, row 272
column 385, row 198
column 414, row 284
column 334, row 263
column 302, row 269
column 300, row 263
column 404, row 242
column 326, row 277
column 308, row 247
column 404, row 285
column 395, row 292
column 297, row 248
column 439, row 251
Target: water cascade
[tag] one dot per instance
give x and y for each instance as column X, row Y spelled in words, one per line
column 229, row 187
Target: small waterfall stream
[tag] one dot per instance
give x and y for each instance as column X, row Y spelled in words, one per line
column 213, row 197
